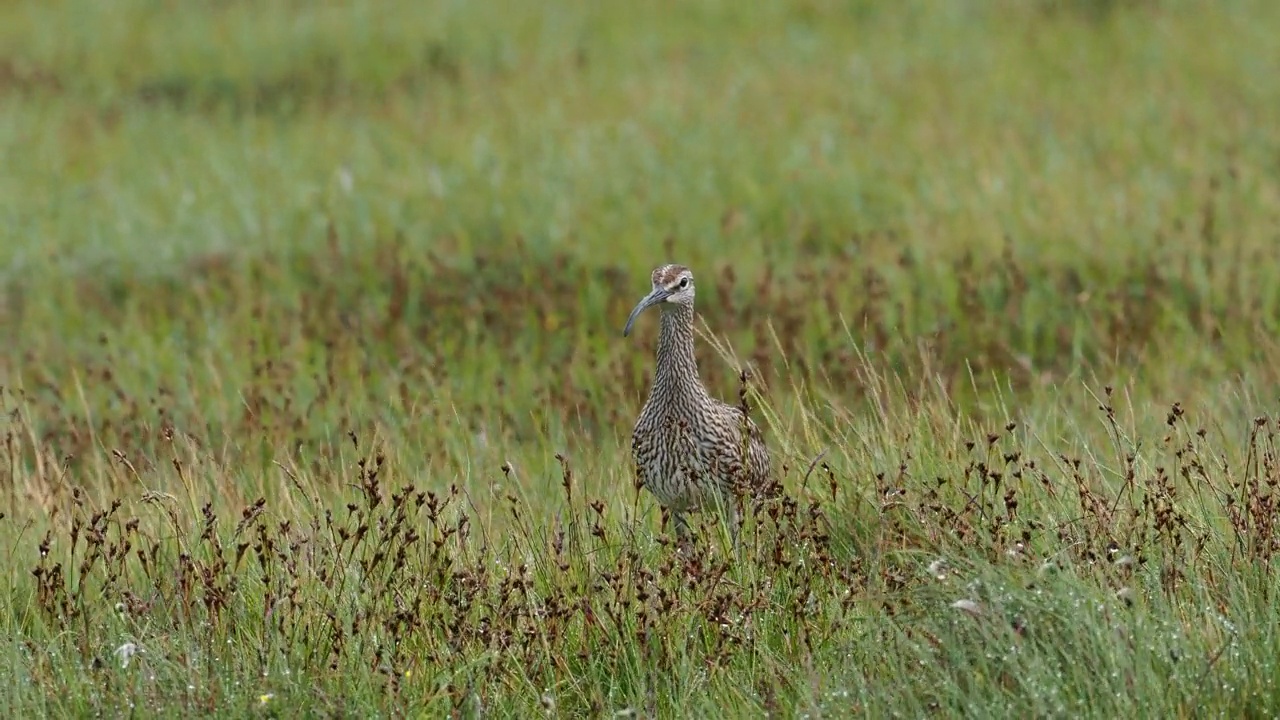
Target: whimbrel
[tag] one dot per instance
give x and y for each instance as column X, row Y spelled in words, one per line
column 688, row 446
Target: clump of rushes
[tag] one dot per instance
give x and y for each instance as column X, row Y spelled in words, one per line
column 393, row 587
column 411, row 597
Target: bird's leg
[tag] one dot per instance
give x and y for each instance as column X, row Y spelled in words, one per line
column 681, row 525
column 735, row 526
column 684, row 535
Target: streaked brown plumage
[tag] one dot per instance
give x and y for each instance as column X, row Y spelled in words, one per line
column 688, row 446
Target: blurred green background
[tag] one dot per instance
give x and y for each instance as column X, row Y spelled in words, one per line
column 1017, row 191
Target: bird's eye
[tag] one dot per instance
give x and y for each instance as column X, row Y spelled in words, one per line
column 684, row 283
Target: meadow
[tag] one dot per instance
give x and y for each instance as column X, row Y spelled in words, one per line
column 316, row 403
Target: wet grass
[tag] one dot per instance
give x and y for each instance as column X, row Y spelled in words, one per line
column 315, row 400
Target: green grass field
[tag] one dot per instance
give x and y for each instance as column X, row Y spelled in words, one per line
column 316, row 402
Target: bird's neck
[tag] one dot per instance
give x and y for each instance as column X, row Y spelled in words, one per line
column 677, row 371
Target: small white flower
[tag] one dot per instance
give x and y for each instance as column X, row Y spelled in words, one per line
column 938, row 568
column 126, row 652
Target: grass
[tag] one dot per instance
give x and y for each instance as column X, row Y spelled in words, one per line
column 316, row 401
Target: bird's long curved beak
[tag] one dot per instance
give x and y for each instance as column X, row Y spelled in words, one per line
column 658, row 295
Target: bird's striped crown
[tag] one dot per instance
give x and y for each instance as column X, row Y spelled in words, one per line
column 667, row 275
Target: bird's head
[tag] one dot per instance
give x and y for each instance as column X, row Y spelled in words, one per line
column 671, row 284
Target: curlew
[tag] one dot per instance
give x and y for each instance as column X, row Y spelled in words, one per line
column 687, row 445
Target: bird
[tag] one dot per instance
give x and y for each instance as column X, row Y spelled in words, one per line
column 687, row 446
